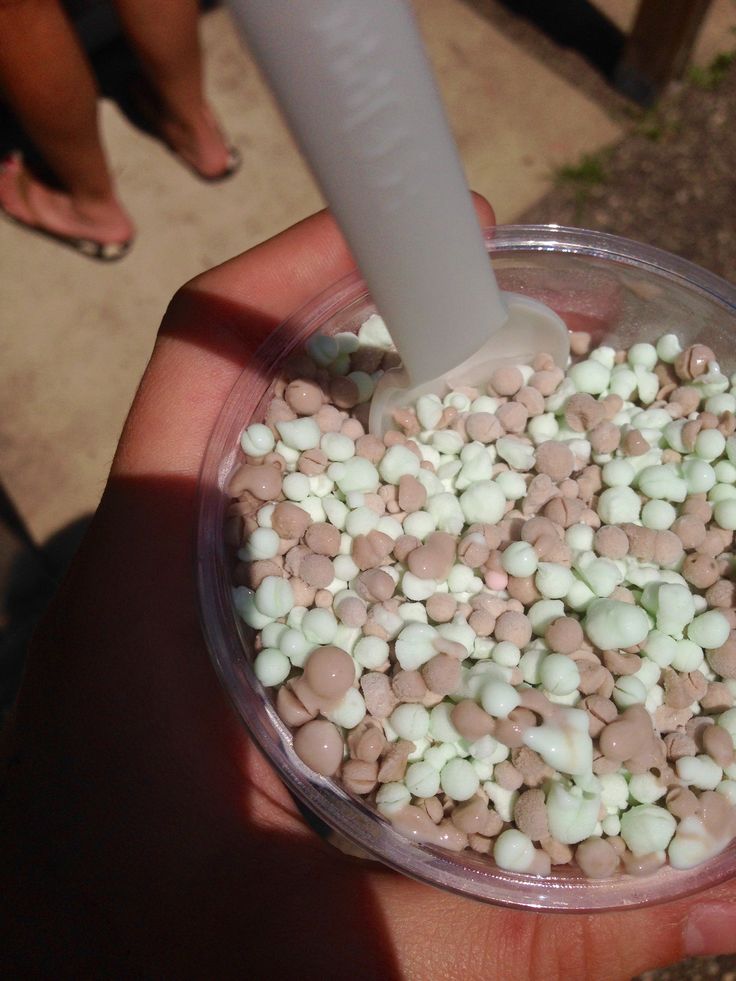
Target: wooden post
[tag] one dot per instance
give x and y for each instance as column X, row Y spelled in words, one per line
column 659, row 46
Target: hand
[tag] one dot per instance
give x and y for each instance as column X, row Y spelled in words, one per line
column 141, row 833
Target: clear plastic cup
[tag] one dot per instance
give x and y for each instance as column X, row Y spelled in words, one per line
column 622, row 292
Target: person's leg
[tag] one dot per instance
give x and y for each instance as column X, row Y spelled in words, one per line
column 49, row 85
column 165, row 37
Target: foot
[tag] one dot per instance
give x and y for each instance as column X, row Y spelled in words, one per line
column 33, row 204
column 199, row 142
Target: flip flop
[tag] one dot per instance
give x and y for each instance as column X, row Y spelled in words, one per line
column 93, row 249
column 234, row 160
column 143, row 107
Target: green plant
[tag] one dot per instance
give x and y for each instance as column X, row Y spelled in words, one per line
column 711, row 76
column 588, row 172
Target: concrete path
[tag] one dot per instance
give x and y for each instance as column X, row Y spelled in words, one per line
column 76, row 335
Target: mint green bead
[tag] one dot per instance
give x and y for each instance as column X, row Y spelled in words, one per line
column 718, row 404
column 650, row 596
column 579, row 596
column 392, row 798
column 698, row 474
column 668, row 347
column 675, row 608
column 709, row 444
column 709, row 630
column 623, row 382
column 699, row 771
column 604, row 355
column 513, row 485
column 673, row 435
column 543, row 612
column 499, row 698
column 646, row 789
column 643, row 354
column 724, row 514
column 722, row 492
column 725, row 472
column 543, row 427
column 647, row 385
column 553, row 580
column 506, row 654
column 647, row 828
column 731, row 449
column 440, row 724
column 571, row 813
column 660, row 648
column 559, row 674
column 612, row 624
column 662, row 483
column 618, row 473
column 590, row 377
column 422, row 779
column 580, row 538
column 659, row 515
column 617, row 505
column 513, row 851
column 629, row 690
column 410, row 721
column 458, row 779
column 271, row 667
column 601, row 575
column 689, row 656
column 520, row 559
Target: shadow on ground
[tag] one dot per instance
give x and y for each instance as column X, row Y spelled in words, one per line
column 29, row 576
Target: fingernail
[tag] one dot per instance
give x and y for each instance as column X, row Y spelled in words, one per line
column 711, row 929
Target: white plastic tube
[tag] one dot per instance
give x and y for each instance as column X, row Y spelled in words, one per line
column 353, row 81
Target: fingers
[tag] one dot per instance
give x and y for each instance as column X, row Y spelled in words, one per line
column 212, row 326
column 477, row 941
column 485, row 212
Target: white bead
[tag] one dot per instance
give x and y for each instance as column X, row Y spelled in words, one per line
column 647, row 828
column 349, row 711
column 513, row 851
column 396, row 462
column 610, row 624
column 410, row 720
column 257, row 440
column 422, row 779
column 337, row 447
column 274, row 597
column 519, row 559
column 415, row 645
column 295, row 486
column 262, row 543
column 499, row 698
column 483, row 502
column 271, row 667
column 392, row 798
column 566, row 746
column 459, row 780
column 699, row 771
column 295, row 646
column 571, row 813
column 300, row 434
column 319, row 626
column 553, row 580
column 559, row 674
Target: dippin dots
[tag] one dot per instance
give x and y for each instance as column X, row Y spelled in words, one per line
column 509, row 624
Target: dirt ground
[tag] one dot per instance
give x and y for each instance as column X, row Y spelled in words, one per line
column 670, row 182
